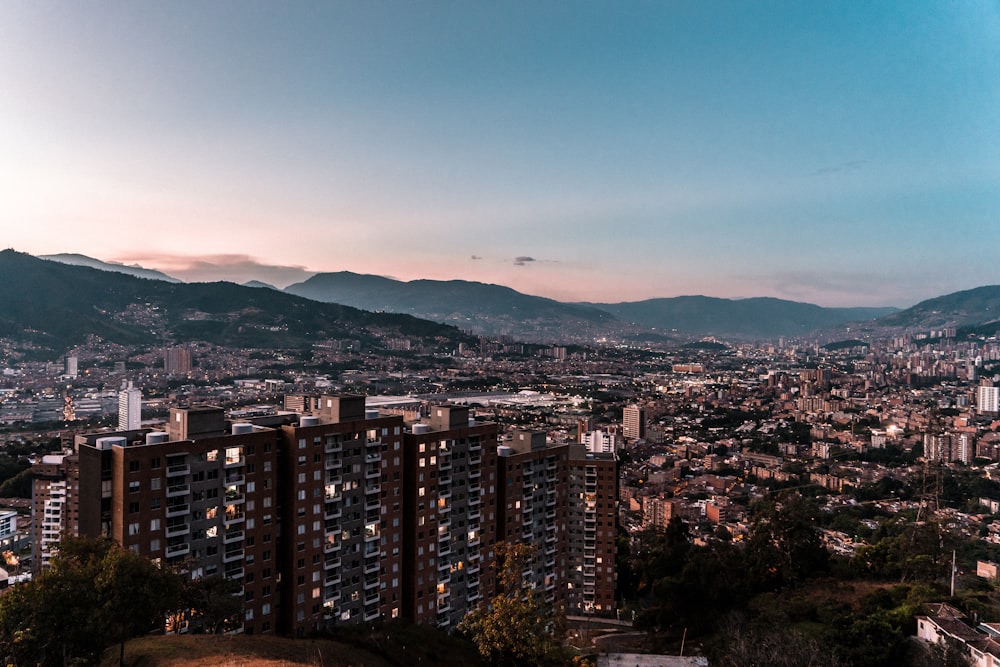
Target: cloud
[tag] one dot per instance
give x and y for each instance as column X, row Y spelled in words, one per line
column 852, row 165
column 476, row 257
column 231, row 267
column 521, row 261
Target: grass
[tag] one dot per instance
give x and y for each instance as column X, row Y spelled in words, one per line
column 389, row 645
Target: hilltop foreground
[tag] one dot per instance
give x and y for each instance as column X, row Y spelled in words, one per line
column 391, row 646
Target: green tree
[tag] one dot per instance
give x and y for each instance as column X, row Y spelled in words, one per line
column 516, row 627
column 96, row 594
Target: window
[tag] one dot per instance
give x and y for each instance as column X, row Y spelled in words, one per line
column 133, row 508
column 133, row 487
column 154, row 524
column 133, row 529
column 133, row 466
column 154, row 484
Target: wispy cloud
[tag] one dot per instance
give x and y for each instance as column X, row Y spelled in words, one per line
column 231, row 267
column 523, row 260
column 852, row 165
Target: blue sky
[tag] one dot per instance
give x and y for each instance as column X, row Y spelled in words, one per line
column 842, row 153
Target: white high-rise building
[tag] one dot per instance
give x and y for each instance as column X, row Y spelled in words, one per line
column 601, row 442
column 129, row 409
column 988, row 400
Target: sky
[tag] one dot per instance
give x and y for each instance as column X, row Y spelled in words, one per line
column 840, row 153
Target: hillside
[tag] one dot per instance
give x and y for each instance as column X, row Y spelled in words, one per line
column 387, row 646
column 54, row 306
column 968, row 308
column 760, row 317
column 478, row 307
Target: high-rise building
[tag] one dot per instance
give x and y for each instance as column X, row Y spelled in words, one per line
column 200, row 496
column 342, row 529
column 633, row 422
column 53, row 505
column 177, row 360
column 129, row 408
column 563, row 500
column 340, row 513
column 70, row 366
column 601, row 441
column 449, row 515
column 988, row 399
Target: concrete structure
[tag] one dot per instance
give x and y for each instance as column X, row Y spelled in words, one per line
column 633, row 422
column 988, row 399
column 129, row 409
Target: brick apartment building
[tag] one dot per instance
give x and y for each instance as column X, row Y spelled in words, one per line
column 335, row 513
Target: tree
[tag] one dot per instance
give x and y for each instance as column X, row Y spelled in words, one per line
column 516, row 627
column 785, row 545
column 96, row 594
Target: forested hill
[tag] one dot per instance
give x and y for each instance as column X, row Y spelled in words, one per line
column 54, row 306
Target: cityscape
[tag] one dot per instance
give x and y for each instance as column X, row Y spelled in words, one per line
column 380, row 479
column 549, row 334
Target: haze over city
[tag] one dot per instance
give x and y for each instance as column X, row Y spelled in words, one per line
column 844, row 154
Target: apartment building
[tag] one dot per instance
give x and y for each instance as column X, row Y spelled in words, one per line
column 449, row 515
column 337, row 513
column 199, row 496
column 52, row 505
column 561, row 499
column 342, row 515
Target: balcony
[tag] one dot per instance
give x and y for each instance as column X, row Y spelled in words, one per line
column 373, row 457
column 178, row 470
column 373, row 489
column 175, row 490
column 444, row 480
column 333, row 447
column 177, row 530
column 473, row 569
column 444, row 549
column 475, row 474
column 372, row 615
column 234, row 477
column 234, row 573
column 332, row 562
column 334, row 463
column 232, row 536
column 475, row 446
column 371, row 565
column 333, row 512
column 178, row 510
column 373, row 472
column 475, row 489
column 331, row 546
column 475, row 460
column 371, row 599
column 332, row 578
column 233, row 555
column 178, row 550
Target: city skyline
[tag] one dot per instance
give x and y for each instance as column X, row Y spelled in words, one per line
column 844, row 155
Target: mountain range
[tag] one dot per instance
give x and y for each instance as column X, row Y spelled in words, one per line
column 53, row 306
column 493, row 310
